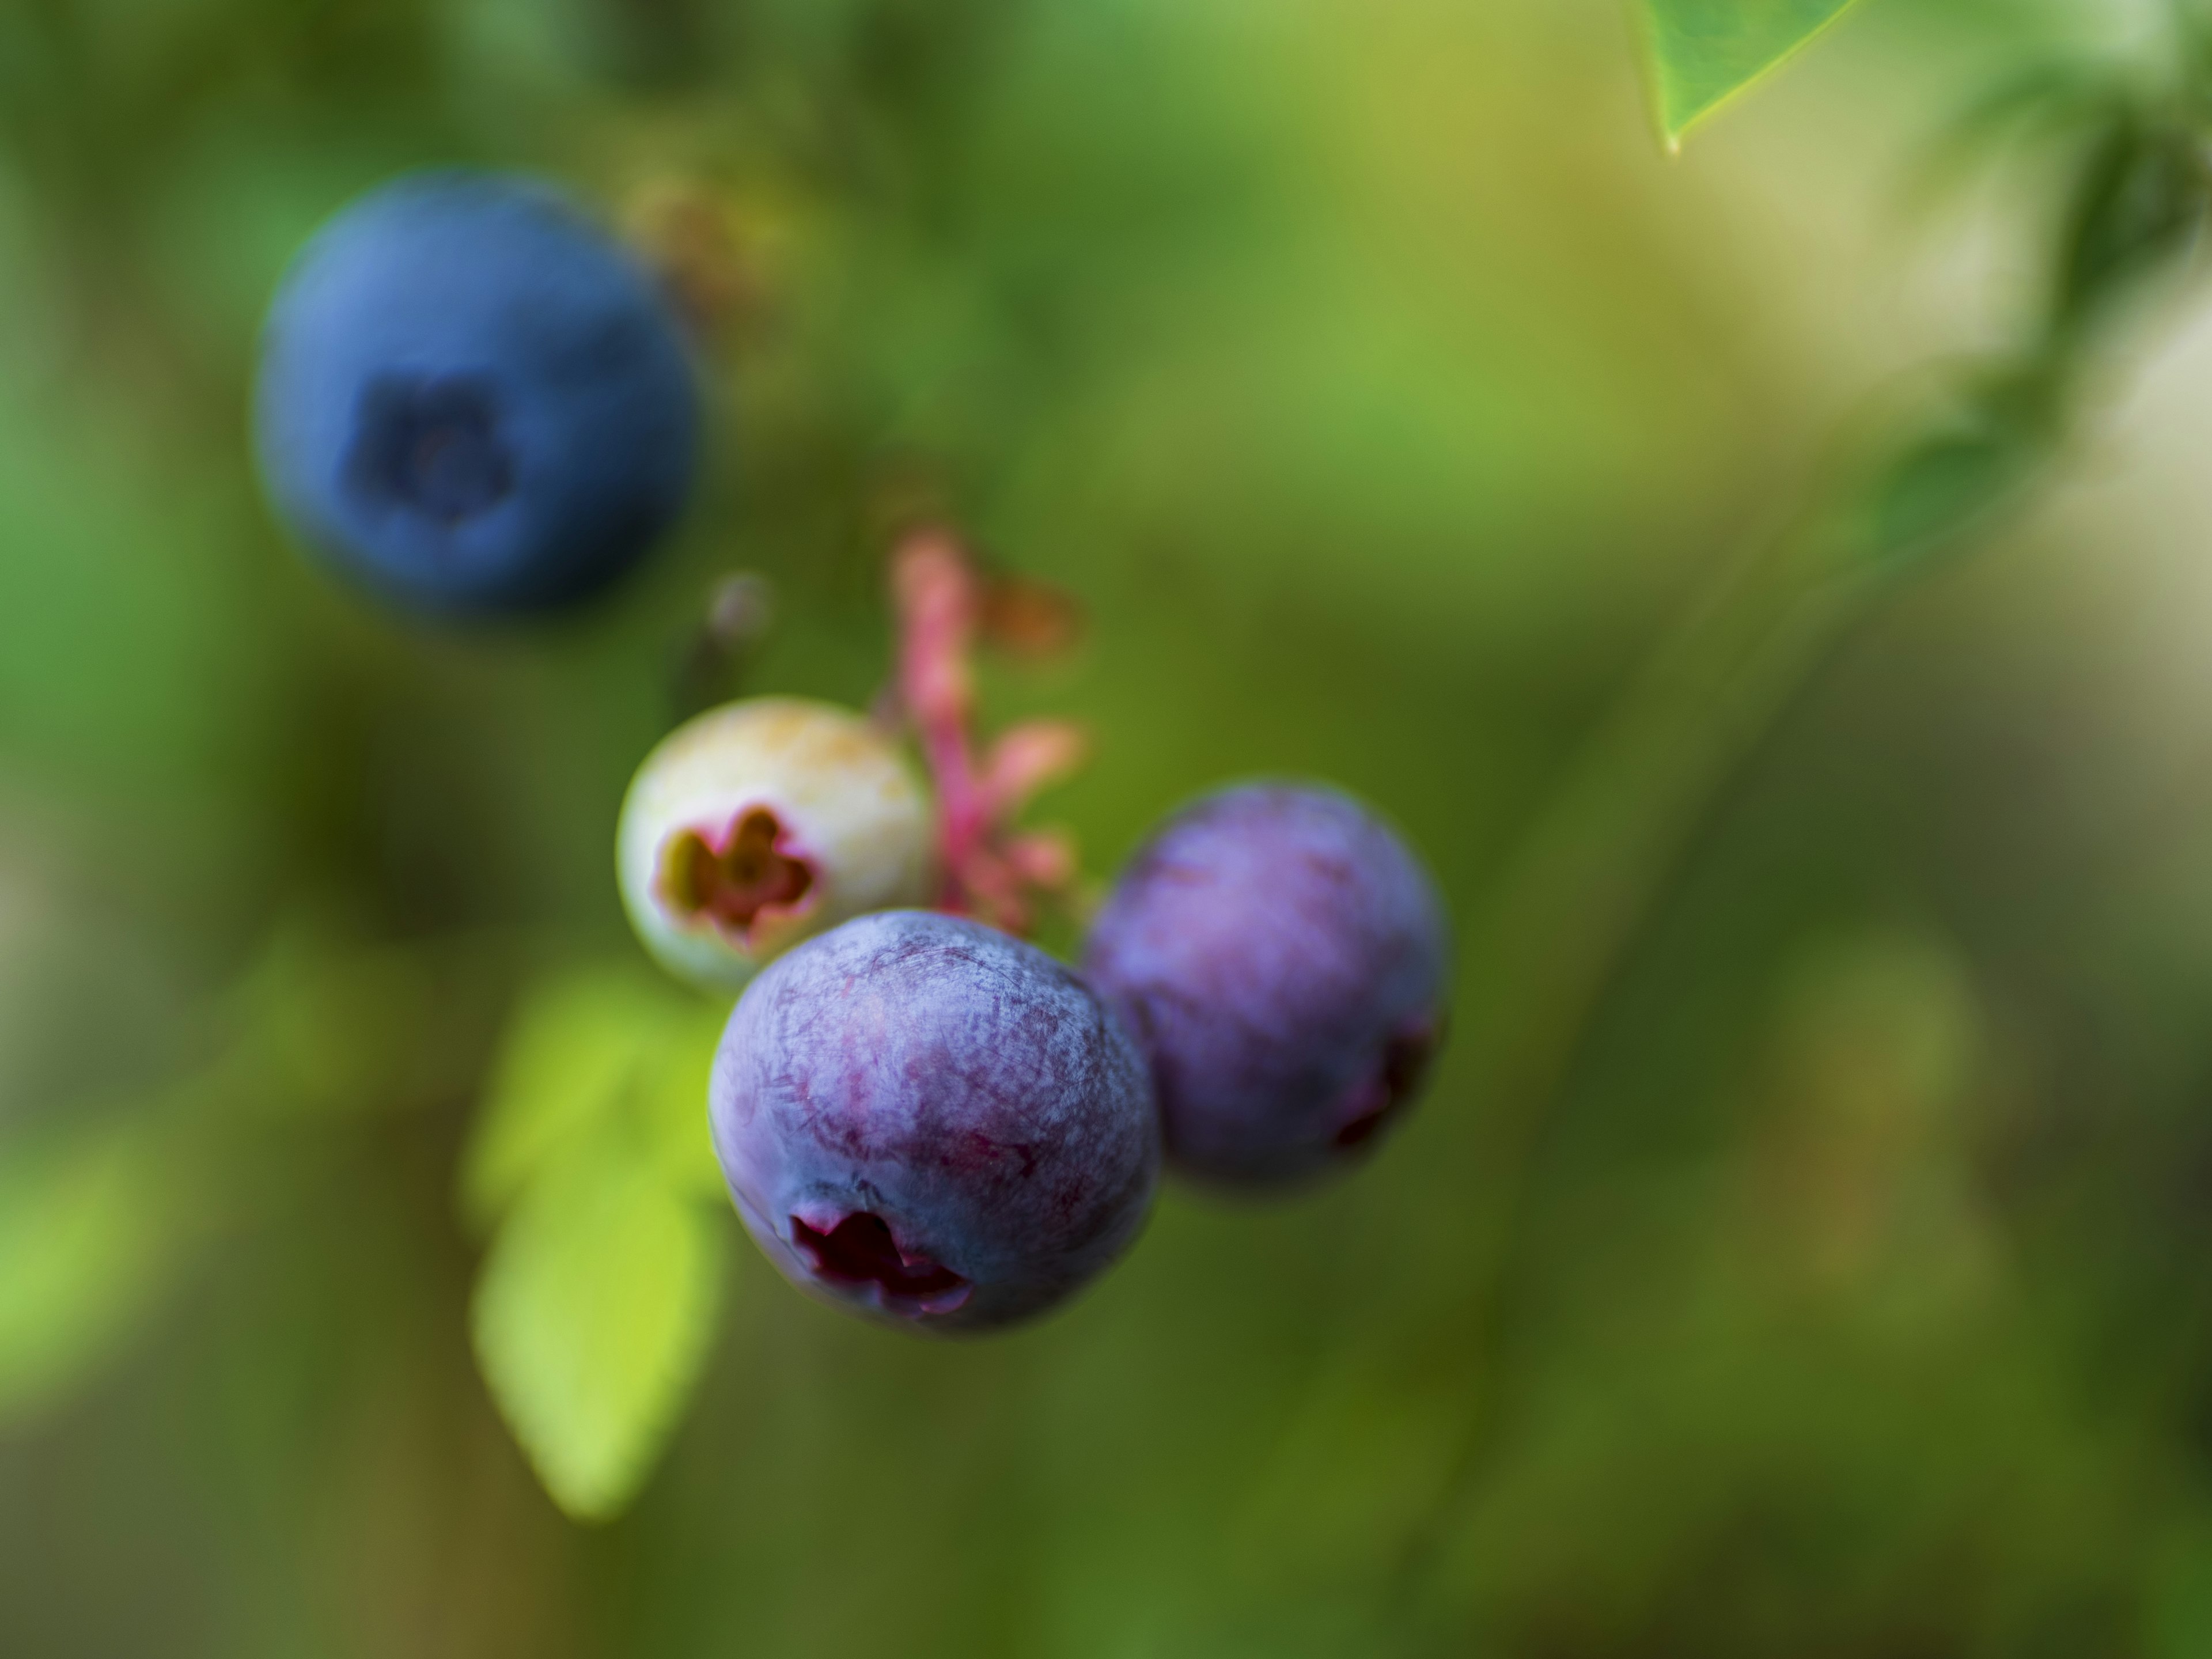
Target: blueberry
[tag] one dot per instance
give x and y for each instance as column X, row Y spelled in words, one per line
column 1280, row 955
column 472, row 400
column 930, row 1121
column 762, row 823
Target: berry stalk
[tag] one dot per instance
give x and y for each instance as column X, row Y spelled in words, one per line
column 989, row 870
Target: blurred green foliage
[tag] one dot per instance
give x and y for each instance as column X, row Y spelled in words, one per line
column 1382, row 397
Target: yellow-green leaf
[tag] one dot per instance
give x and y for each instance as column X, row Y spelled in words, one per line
column 1705, row 52
column 673, row 1097
column 87, row 1235
column 582, row 1045
column 593, row 1316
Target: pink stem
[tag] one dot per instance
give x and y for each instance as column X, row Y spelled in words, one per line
column 940, row 600
column 939, row 605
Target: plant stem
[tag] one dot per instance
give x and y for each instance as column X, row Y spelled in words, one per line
column 1593, row 864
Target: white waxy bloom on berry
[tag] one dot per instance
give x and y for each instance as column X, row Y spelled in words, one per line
column 761, row 823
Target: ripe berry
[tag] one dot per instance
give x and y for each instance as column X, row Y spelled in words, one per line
column 1280, row 955
column 761, row 822
column 927, row 1120
column 472, row 400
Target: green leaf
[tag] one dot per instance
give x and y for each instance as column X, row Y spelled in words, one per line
column 593, row 1317
column 584, row 1044
column 671, row 1100
column 2141, row 203
column 597, row 1300
column 87, row 1238
column 1705, row 52
column 1939, row 487
column 1954, row 475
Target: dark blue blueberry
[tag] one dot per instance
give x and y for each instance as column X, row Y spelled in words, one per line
column 930, row 1121
column 473, row 399
column 1280, row 957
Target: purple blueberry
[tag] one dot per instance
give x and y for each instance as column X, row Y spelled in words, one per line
column 1280, row 955
column 927, row 1120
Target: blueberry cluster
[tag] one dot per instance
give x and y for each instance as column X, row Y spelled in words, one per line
column 930, row 1121
column 473, row 401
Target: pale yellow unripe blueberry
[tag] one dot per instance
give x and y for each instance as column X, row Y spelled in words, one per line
column 761, row 823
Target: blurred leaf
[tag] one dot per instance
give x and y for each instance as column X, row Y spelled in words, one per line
column 325, row 1025
column 2140, row 202
column 90, row 1227
column 1705, row 52
column 1940, row 482
column 584, row 1044
column 1886, row 1010
column 2051, row 101
column 1939, row 486
column 87, row 1237
column 592, row 1320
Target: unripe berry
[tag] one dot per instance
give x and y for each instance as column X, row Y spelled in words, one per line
column 1280, row 955
column 932, row 1122
column 473, row 399
column 762, row 823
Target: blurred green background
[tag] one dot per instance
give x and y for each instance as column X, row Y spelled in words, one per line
column 1384, row 394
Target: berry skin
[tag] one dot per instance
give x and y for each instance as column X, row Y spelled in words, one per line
column 473, row 400
column 759, row 823
column 1280, row 955
column 932, row 1123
